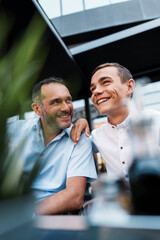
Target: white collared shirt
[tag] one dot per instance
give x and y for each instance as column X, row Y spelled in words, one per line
column 114, row 144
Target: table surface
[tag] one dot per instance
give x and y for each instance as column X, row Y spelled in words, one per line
column 71, row 222
column 75, row 227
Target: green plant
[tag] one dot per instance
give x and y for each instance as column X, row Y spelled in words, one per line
column 19, row 69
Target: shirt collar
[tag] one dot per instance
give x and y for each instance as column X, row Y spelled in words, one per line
column 64, row 132
column 37, row 124
column 123, row 124
column 37, row 127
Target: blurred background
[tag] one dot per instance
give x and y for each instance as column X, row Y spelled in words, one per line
column 67, row 39
column 81, row 34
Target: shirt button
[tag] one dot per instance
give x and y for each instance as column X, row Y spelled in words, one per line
column 113, row 127
column 126, row 176
column 121, row 147
column 123, row 162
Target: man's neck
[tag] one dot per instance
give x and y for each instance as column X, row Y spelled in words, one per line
column 49, row 133
column 118, row 118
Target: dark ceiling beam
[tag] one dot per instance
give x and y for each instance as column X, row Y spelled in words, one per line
column 147, row 71
column 53, row 29
column 75, row 78
column 115, row 37
column 110, row 15
column 58, row 37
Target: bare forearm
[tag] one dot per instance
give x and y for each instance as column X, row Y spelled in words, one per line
column 59, row 203
column 66, row 200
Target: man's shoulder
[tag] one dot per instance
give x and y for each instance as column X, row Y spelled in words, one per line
column 83, row 137
column 99, row 129
column 84, row 140
column 151, row 113
column 20, row 125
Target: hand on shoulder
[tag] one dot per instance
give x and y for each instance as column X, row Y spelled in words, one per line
column 76, row 131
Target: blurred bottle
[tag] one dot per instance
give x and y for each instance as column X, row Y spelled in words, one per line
column 144, row 172
column 107, row 209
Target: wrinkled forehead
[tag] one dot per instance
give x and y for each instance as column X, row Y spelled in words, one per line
column 56, row 90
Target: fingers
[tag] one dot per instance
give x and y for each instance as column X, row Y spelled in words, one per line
column 77, row 128
column 87, row 131
column 78, row 133
column 74, row 135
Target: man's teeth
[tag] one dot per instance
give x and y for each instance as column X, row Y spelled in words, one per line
column 102, row 100
column 65, row 116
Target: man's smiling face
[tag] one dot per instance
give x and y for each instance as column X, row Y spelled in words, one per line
column 108, row 91
column 57, row 108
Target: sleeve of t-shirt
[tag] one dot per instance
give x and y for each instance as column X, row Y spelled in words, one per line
column 82, row 162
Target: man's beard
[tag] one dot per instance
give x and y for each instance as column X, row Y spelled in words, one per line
column 54, row 124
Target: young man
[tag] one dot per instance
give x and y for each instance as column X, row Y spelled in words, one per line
column 111, row 85
column 60, row 184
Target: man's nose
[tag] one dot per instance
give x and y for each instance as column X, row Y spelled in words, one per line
column 98, row 90
column 65, row 106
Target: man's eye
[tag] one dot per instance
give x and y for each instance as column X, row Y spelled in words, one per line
column 92, row 89
column 55, row 102
column 68, row 101
column 106, row 82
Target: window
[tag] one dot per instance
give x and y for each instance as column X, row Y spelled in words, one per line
column 95, row 3
column 71, row 6
column 51, row 8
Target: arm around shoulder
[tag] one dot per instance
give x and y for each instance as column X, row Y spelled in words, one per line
column 76, row 131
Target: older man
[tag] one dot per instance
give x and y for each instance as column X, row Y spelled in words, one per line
column 60, row 184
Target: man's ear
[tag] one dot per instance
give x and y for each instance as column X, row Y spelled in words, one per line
column 37, row 109
column 130, row 86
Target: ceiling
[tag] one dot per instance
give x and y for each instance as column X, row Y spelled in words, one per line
column 134, row 44
column 126, row 32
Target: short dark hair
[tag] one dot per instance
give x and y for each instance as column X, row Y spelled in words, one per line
column 123, row 72
column 36, row 91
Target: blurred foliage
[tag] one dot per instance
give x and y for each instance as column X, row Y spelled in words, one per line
column 19, row 69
